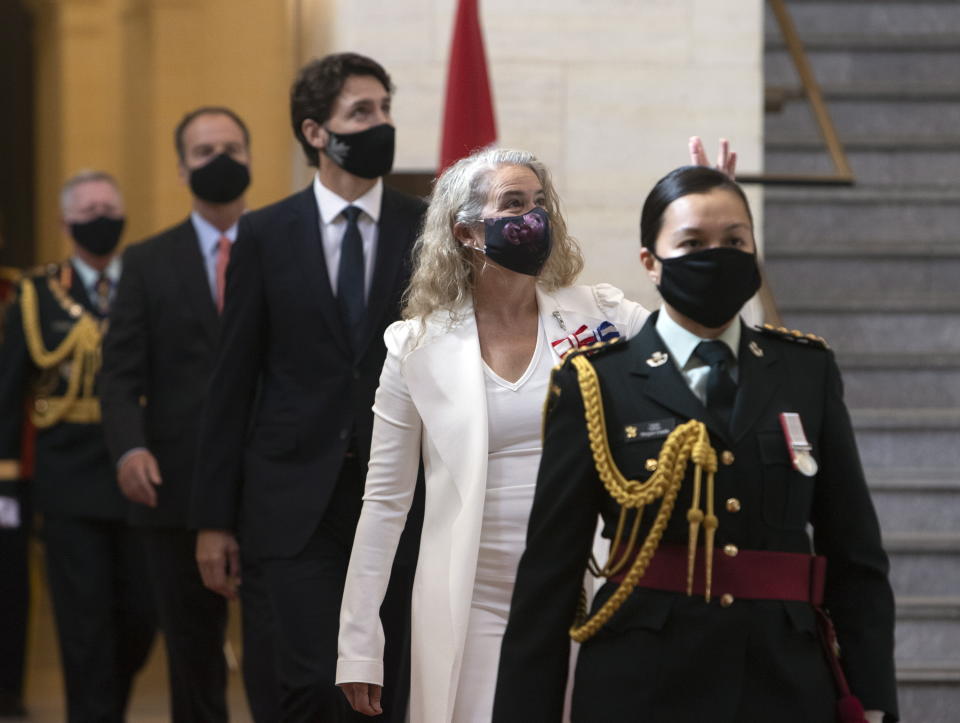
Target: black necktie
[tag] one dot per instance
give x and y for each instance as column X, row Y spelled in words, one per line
column 350, row 279
column 721, row 389
column 102, row 289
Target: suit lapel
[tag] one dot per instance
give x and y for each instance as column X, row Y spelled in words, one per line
column 190, row 270
column 665, row 384
column 445, row 377
column 308, row 242
column 389, row 259
column 757, row 381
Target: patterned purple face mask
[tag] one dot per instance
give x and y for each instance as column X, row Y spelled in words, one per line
column 519, row 243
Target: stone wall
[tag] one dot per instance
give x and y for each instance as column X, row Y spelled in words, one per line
column 606, row 92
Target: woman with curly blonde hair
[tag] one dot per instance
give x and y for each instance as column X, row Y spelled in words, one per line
column 489, row 312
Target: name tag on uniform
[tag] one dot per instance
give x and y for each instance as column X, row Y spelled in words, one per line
column 655, row 429
column 797, row 444
column 62, row 326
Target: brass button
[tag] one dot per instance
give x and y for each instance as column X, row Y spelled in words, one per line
column 727, row 457
column 730, row 550
column 41, row 405
column 651, row 465
column 726, row 600
column 733, row 505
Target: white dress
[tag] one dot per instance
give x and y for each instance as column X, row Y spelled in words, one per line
column 513, row 413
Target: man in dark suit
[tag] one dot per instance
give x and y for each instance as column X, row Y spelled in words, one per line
column 50, row 355
column 158, row 357
column 754, row 644
column 313, row 282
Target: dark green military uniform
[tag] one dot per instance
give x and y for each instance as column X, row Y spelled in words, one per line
column 665, row 657
column 50, row 357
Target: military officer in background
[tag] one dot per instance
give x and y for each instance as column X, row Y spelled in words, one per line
column 726, row 621
column 51, row 357
column 14, row 536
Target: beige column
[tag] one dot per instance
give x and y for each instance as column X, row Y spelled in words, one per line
column 115, row 76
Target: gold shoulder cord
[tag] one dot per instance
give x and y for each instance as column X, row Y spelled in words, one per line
column 686, row 442
column 82, row 346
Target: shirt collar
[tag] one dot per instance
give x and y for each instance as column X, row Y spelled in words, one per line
column 89, row 275
column 681, row 342
column 209, row 235
column 331, row 205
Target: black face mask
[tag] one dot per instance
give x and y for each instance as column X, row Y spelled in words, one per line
column 99, row 236
column 519, row 243
column 709, row 286
column 367, row 154
column 221, row 180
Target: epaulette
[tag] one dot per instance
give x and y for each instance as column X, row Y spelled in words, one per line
column 9, row 274
column 794, row 335
column 41, row 271
column 591, row 350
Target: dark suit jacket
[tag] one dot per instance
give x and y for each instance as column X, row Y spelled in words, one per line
column 674, row 658
column 288, row 395
column 158, row 356
column 73, row 473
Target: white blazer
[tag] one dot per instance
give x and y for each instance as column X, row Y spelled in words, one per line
column 432, row 401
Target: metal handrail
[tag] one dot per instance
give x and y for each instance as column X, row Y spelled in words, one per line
column 843, row 175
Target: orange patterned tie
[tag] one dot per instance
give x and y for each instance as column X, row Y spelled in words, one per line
column 223, row 258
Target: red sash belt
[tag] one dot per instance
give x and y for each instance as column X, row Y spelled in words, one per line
column 747, row 575
column 757, row 575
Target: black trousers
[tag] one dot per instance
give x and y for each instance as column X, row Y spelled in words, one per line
column 194, row 621
column 14, row 595
column 306, row 592
column 104, row 612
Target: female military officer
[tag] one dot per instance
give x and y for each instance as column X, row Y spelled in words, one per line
column 715, row 607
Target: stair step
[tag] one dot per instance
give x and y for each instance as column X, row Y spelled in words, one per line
column 930, row 303
column 901, row 510
column 874, row 63
column 924, row 572
column 874, row 42
column 945, row 543
column 926, row 638
column 908, row 361
column 812, row 283
column 914, row 479
column 901, row 387
column 885, row 217
column 903, row 19
column 782, row 140
column 933, row 168
column 922, row 607
column 859, row 117
column 868, row 249
column 909, row 447
column 946, row 671
column 887, row 332
column 929, row 695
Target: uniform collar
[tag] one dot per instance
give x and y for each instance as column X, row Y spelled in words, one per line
column 681, row 343
column 89, row 275
column 331, row 205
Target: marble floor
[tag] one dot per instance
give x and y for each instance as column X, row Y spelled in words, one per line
column 44, row 684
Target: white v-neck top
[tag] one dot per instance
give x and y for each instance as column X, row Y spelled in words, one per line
column 513, row 414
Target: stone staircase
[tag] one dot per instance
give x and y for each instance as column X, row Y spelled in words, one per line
column 875, row 269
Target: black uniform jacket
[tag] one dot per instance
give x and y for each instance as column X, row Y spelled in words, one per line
column 74, row 476
column 158, row 356
column 666, row 657
column 288, row 395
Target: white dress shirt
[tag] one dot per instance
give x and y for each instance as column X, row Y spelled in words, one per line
column 89, row 275
column 681, row 344
column 208, row 236
column 333, row 224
